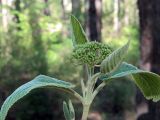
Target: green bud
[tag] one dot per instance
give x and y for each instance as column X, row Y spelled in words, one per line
column 91, row 53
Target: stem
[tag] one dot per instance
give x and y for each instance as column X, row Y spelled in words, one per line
column 87, row 99
column 98, row 89
column 97, row 65
column 85, row 111
column 83, row 88
column 91, row 83
column 92, row 71
column 87, row 90
column 79, row 97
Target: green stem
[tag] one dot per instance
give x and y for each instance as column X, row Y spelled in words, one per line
column 78, row 96
column 83, row 87
column 88, row 95
column 87, row 91
column 92, row 71
column 90, row 84
column 85, row 111
column 98, row 89
column 88, row 101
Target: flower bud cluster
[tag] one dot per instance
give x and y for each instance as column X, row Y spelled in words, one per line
column 91, row 53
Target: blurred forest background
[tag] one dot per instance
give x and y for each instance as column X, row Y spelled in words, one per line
column 35, row 38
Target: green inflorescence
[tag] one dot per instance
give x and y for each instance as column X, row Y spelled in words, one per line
column 91, row 53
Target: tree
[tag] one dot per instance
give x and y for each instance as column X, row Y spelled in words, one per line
column 76, row 8
column 116, row 15
column 126, row 17
column 94, row 19
column 17, row 8
column 46, row 9
column 149, row 13
column 5, row 14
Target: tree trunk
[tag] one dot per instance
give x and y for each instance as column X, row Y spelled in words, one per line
column 63, row 10
column 18, row 9
column 5, row 15
column 146, row 38
column 46, row 9
column 94, row 22
column 116, row 16
column 149, row 12
column 76, row 8
column 126, row 10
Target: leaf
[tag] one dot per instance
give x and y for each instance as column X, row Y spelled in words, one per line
column 66, row 111
column 110, row 63
column 79, row 36
column 123, row 70
column 148, row 82
column 71, row 108
column 38, row 82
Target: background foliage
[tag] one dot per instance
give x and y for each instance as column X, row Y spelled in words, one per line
column 36, row 39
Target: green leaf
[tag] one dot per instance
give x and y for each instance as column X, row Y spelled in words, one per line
column 110, row 63
column 39, row 82
column 148, row 82
column 123, row 70
column 79, row 36
column 71, row 108
column 66, row 111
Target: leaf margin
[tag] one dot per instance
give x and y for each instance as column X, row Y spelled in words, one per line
column 114, row 60
column 38, row 82
column 78, row 34
column 147, row 92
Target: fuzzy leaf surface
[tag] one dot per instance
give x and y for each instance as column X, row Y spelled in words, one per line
column 79, row 36
column 71, row 108
column 110, row 63
column 66, row 111
column 148, row 82
column 40, row 81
